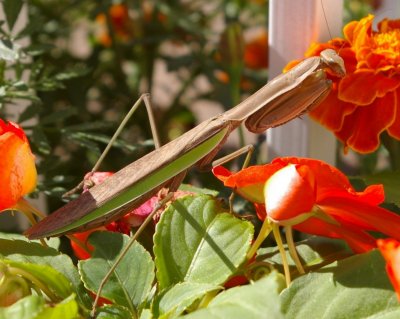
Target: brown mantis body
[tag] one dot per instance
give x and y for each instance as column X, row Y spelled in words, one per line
column 279, row 101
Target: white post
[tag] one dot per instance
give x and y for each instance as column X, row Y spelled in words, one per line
column 294, row 25
column 388, row 9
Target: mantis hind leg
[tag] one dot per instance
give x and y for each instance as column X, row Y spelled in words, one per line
column 145, row 98
column 249, row 149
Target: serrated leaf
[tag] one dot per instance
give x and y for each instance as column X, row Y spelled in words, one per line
column 257, row 300
column 53, row 242
column 66, row 309
column 26, row 308
column 131, row 282
column 12, row 8
column 32, row 252
column 391, row 184
column 51, row 278
column 9, row 51
column 113, row 312
column 356, row 287
column 174, row 301
column 196, row 241
column 198, row 190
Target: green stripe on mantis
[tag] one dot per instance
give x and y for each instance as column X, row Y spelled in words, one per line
column 144, row 185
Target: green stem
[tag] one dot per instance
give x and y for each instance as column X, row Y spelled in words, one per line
column 278, row 239
column 393, row 147
column 292, row 249
column 264, row 232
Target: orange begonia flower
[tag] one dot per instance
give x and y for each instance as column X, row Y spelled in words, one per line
column 17, row 165
column 370, row 89
column 314, row 198
column 390, row 250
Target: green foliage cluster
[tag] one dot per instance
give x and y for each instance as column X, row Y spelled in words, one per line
column 76, row 87
column 197, row 248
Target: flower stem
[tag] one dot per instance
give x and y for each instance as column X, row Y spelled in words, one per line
column 292, row 249
column 393, row 148
column 264, row 232
column 278, row 239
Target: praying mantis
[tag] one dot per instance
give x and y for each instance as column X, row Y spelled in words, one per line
column 279, row 101
column 282, row 99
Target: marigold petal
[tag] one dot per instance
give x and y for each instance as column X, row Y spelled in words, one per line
column 390, row 250
column 358, row 33
column 332, row 111
column 17, row 166
column 394, row 129
column 360, row 132
column 364, row 86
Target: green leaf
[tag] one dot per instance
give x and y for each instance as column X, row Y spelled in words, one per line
column 113, row 312
column 52, row 279
column 177, row 299
column 53, row 242
column 26, row 308
column 132, row 280
column 391, row 184
column 314, row 252
column 356, row 287
column 257, row 300
column 66, row 309
column 40, row 140
column 58, row 116
column 12, row 8
column 73, row 72
column 81, row 139
column 9, row 51
column 198, row 190
column 32, row 252
column 196, row 241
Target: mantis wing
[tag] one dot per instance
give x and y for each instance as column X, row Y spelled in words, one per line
column 132, row 185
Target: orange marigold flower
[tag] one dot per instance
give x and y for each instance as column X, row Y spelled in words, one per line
column 120, row 21
column 17, row 165
column 256, row 51
column 390, row 250
column 314, row 198
column 371, row 88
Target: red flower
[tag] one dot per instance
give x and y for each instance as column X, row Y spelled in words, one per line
column 314, row 198
column 390, row 250
column 370, row 89
column 17, row 165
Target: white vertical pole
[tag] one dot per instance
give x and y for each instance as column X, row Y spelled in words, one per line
column 294, row 25
column 388, row 9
